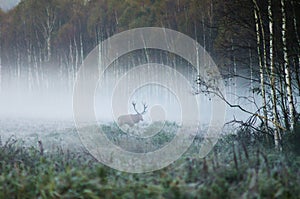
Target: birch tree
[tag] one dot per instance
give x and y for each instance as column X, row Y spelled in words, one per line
column 286, row 65
column 0, row 50
column 261, row 66
column 273, row 73
column 0, row 60
column 46, row 17
column 297, row 58
column 48, row 27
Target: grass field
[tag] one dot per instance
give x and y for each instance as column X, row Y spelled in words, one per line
column 240, row 166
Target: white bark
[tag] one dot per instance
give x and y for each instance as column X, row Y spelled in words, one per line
column 76, row 56
column 48, row 27
column 36, row 70
column 261, row 67
column 18, row 66
column 81, row 49
column 0, row 62
column 272, row 75
column 234, row 74
column 30, row 79
column 297, row 63
column 286, row 66
column 99, row 50
column 251, row 79
column 71, row 65
column 29, row 61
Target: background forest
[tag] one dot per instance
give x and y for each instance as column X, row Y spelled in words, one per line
column 257, row 42
column 42, row 38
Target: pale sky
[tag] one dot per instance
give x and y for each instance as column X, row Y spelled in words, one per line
column 8, row 4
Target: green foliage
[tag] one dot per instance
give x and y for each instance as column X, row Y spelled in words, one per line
column 25, row 27
column 291, row 140
column 233, row 170
column 164, row 133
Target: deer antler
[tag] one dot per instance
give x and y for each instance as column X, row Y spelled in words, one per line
column 133, row 104
column 144, row 111
column 145, row 108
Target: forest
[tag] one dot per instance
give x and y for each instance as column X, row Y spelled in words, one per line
column 255, row 46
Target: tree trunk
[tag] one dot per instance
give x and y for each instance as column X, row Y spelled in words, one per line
column 287, row 67
column 81, row 50
column 297, row 62
column 29, row 63
column 76, row 57
column 18, row 67
column 0, row 62
column 48, row 27
column 297, row 71
column 71, row 65
column 36, row 70
column 272, row 76
column 261, row 67
column 99, row 50
column 48, row 39
column 283, row 100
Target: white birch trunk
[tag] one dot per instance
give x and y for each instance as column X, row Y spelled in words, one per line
column 71, row 65
column 81, row 50
column 36, row 69
column 48, row 27
column 18, row 67
column 0, row 63
column 287, row 67
column 297, row 62
column 272, row 76
column 76, row 57
column 29, row 62
column 48, row 48
column 261, row 67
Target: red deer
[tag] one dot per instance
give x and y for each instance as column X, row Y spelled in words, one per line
column 132, row 119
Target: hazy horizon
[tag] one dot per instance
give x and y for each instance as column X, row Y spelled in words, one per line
column 8, row 4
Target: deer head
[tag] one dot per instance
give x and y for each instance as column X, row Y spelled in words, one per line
column 132, row 119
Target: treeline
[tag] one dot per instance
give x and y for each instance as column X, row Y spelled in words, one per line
column 51, row 29
column 38, row 33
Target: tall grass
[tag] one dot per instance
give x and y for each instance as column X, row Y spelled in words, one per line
column 238, row 167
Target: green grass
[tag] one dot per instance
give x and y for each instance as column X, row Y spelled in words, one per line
column 236, row 168
column 143, row 143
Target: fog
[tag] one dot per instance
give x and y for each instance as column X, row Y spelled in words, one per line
column 56, row 101
column 18, row 102
column 7, row 5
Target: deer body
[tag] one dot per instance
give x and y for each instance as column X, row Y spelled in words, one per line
column 132, row 119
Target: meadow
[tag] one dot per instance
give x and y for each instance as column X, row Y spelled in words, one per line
column 242, row 165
